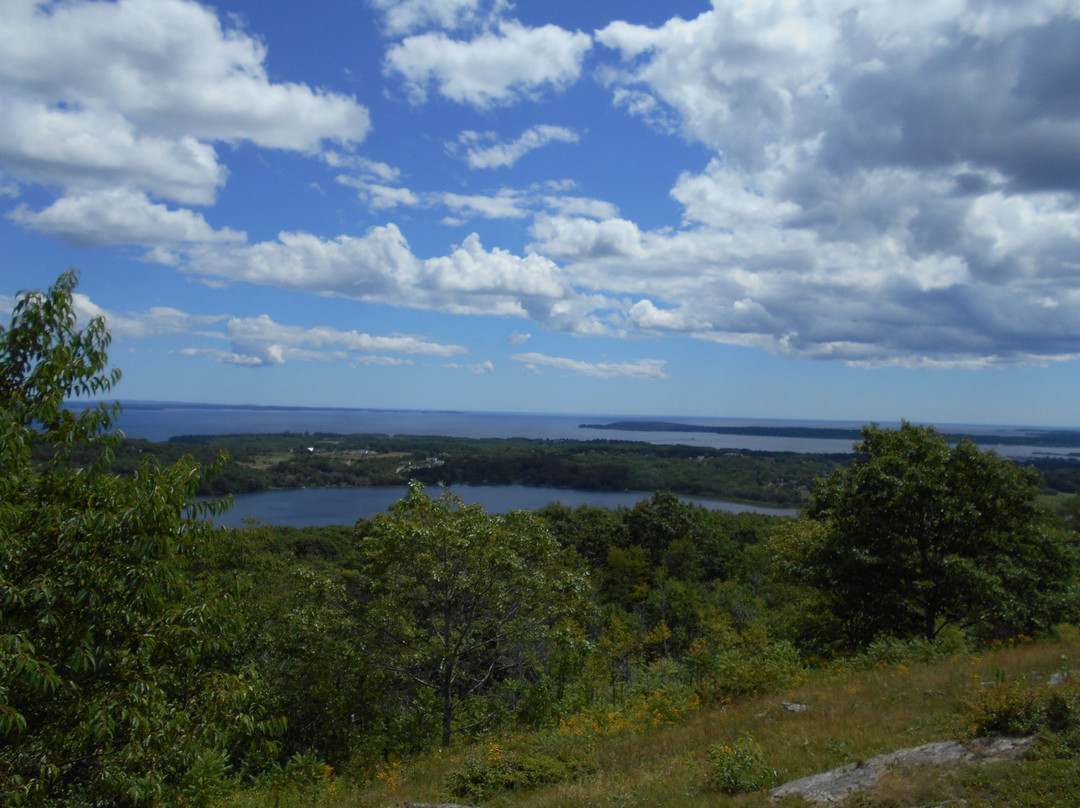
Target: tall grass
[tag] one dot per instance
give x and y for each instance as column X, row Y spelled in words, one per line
column 856, row 710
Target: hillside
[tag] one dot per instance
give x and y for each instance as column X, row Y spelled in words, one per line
column 877, row 703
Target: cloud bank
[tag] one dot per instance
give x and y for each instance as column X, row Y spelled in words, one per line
column 878, row 188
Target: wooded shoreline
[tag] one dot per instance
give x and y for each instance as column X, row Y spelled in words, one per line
column 261, row 462
column 1022, row 437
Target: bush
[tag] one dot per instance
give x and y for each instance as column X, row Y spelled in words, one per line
column 1017, row 709
column 497, row 771
column 889, row 651
column 729, row 664
column 738, row 767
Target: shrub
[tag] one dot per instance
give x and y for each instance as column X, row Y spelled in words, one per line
column 735, row 768
column 729, row 664
column 888, row 651
column 1012, row 709
column 303, row 778
column 497, row 771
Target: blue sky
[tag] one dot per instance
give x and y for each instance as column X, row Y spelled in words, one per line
column 818, row 209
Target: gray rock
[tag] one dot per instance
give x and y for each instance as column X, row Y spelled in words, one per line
column 833, row 786
column 1061, row 678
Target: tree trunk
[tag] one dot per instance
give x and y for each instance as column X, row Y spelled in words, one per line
column 448, row 703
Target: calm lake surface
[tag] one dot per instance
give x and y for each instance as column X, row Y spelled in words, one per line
column 318, row 507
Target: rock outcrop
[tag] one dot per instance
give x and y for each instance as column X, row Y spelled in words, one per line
column 833, row 786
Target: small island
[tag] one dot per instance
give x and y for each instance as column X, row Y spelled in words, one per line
column 1020, row 437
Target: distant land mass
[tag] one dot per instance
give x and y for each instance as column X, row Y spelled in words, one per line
column 1033, row 437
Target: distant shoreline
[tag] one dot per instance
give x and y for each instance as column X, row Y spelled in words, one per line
column 159, row 420
column 1031, row 437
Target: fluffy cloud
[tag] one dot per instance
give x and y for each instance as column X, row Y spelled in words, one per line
column 641, row 369
column 581, row 206
column 96, row 149
column 154, row 322
column 166, row 67
column 362, row 166
column 232, row 358
column 866, row 295
column 484, row 150
column 402, row 17
column 506, row 204
column 888, row 189
column 378, row 196
column 261, row 341
column 262, row 330
column 495, row 68
column 119, row 216
column 578, row 239
column 122, row 99
column 478, row 369
column 369, row 267
column 646, row 316
column 380, row 267
column 733, row 75
column 879, row 188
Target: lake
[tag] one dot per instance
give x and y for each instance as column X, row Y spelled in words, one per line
column 318, row 507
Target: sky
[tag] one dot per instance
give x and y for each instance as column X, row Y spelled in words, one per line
column 819, row 209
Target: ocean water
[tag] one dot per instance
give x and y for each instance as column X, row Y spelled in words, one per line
column 160, row 421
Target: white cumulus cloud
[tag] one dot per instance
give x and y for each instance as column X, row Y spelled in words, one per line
column 120, row 216
column 402, row 17
column 496, row 68
column 154, row 322
column 129, row 99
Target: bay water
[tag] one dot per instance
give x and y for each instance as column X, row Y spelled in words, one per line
column 158, row 421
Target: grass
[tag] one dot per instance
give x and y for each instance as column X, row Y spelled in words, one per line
column 854, row 714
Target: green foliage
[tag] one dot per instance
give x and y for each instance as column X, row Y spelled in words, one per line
column 294, row 460
column 314, row 664
column 496, row 771
column 115, row 682
column 587, row 529
column 1019, row 708
column 459, row 600
column 304, row 629
column 728, row 664
column 302, row 779
column 1003, row 709
column 921, row 535
column 738, row 767
column 1047, row 783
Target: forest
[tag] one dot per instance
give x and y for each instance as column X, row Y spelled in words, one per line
column 148, row 658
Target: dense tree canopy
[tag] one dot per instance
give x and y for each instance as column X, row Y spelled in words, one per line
column 921, row 534
column 460, row 599
column 112, row 690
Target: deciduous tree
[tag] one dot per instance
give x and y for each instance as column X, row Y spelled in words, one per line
column 921, row 534
column 460, row 600
column 111, row 691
